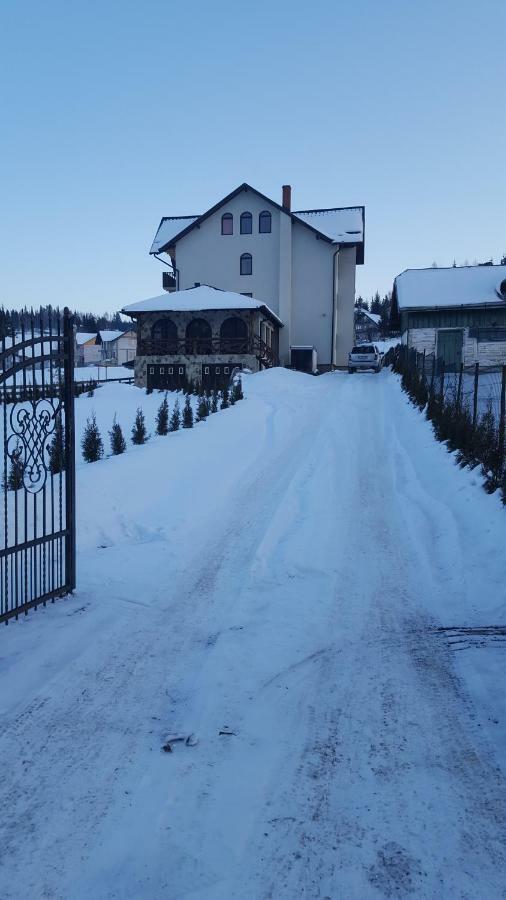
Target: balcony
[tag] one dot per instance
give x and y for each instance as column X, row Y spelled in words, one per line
column 209, row 347
column 169, row 281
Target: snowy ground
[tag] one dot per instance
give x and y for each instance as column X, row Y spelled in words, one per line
column 278, row 572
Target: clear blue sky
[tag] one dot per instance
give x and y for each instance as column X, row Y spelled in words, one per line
column 116, row 113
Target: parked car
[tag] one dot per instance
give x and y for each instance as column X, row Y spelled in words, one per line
column 365, row 356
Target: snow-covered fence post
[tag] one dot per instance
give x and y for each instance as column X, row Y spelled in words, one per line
column 502, row 416
column 459, row 387
column 433, row 375
column 475, row 395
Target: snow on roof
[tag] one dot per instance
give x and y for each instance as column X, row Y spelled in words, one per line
column 372, row 316
column 168, row 228
column 456, row 286
column 196, row 300
column 110, row 335
column 345, row 226
column 82, row 337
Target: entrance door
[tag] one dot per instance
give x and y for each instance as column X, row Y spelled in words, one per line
column 449, row 349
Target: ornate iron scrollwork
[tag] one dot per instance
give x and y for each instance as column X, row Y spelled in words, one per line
column 32, row 424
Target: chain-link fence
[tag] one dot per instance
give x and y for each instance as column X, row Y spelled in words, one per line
column 466, row 404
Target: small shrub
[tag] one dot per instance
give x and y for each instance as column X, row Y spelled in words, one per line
column 16, row 469
column 57, row 449
column 91, row 444
column 187, row 413
column 214, row 401
column 237, row 389
column 162, row 417
column 139, row 434
column 175, row 419
column 202, row 409
column 224, row 399
column 118, row 443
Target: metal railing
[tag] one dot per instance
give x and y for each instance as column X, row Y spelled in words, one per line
column 209, row 347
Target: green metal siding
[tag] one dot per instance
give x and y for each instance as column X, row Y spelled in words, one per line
column 453, row 318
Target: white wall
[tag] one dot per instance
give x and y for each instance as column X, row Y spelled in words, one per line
column 345, row 306
column 208, row 257
column 312, row 292
column 303, row 274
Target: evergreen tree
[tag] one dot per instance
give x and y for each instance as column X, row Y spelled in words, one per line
column 187, row 413
column 118, row 443
column 91, row 444
column 16, row 469
column 175, row 419
column 224, row 399
column 237, row 389
column 162, row 417
column 214, row 401
column 57, row 449
column 202, row 409
column 139, row 435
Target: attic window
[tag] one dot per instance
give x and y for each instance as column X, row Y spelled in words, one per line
column 265, row 222
column 227, row 223
column 246, row 223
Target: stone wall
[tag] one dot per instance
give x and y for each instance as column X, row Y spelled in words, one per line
column 194, row 363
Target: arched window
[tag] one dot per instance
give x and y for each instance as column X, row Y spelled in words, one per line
column 265, row 222
column 246, row 264
column 246, row 223
column 227, row 223
column 198, row 336
column 164, row 332
column 234, row 335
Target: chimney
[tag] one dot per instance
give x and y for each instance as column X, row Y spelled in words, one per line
column 287, row 197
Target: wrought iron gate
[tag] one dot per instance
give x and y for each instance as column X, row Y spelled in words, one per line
column 37, row 548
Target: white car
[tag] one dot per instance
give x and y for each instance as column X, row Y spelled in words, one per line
column 365, row 356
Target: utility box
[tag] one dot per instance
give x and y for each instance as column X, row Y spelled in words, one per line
column 304, row 359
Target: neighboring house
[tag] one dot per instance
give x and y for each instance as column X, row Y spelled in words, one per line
column 458, row 313
column 84, row 339
column 117, row 346
column 367, row 325
column 201, row 335
column 300, row 265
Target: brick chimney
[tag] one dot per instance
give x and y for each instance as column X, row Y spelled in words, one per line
column 287, row 197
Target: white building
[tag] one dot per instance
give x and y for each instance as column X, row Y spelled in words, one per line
column 301, row 265
column 118, row 347
column 458, row 313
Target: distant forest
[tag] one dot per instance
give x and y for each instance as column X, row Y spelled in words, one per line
column 12, row 320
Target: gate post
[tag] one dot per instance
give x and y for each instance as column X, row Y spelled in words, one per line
column 70, row 446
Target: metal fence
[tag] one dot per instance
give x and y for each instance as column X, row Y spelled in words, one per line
column 37, row 524
column 466, row 404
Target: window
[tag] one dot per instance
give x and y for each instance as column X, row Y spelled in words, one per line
column 198, row 336
column 246, row 264
column 164, row 331
column 226, row 370
column 181, row 370
column 171, row 370
column 265, row 222
column 151, row 370
column 234, row 335
column 227, row 223
column 162, row 370
column 246, row 223
column 206, row 370
column 218, row 370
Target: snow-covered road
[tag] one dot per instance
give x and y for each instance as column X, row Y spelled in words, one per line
column 279, row 573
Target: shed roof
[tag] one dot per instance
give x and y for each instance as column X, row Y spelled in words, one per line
column 198, row 299
column 450, row 288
